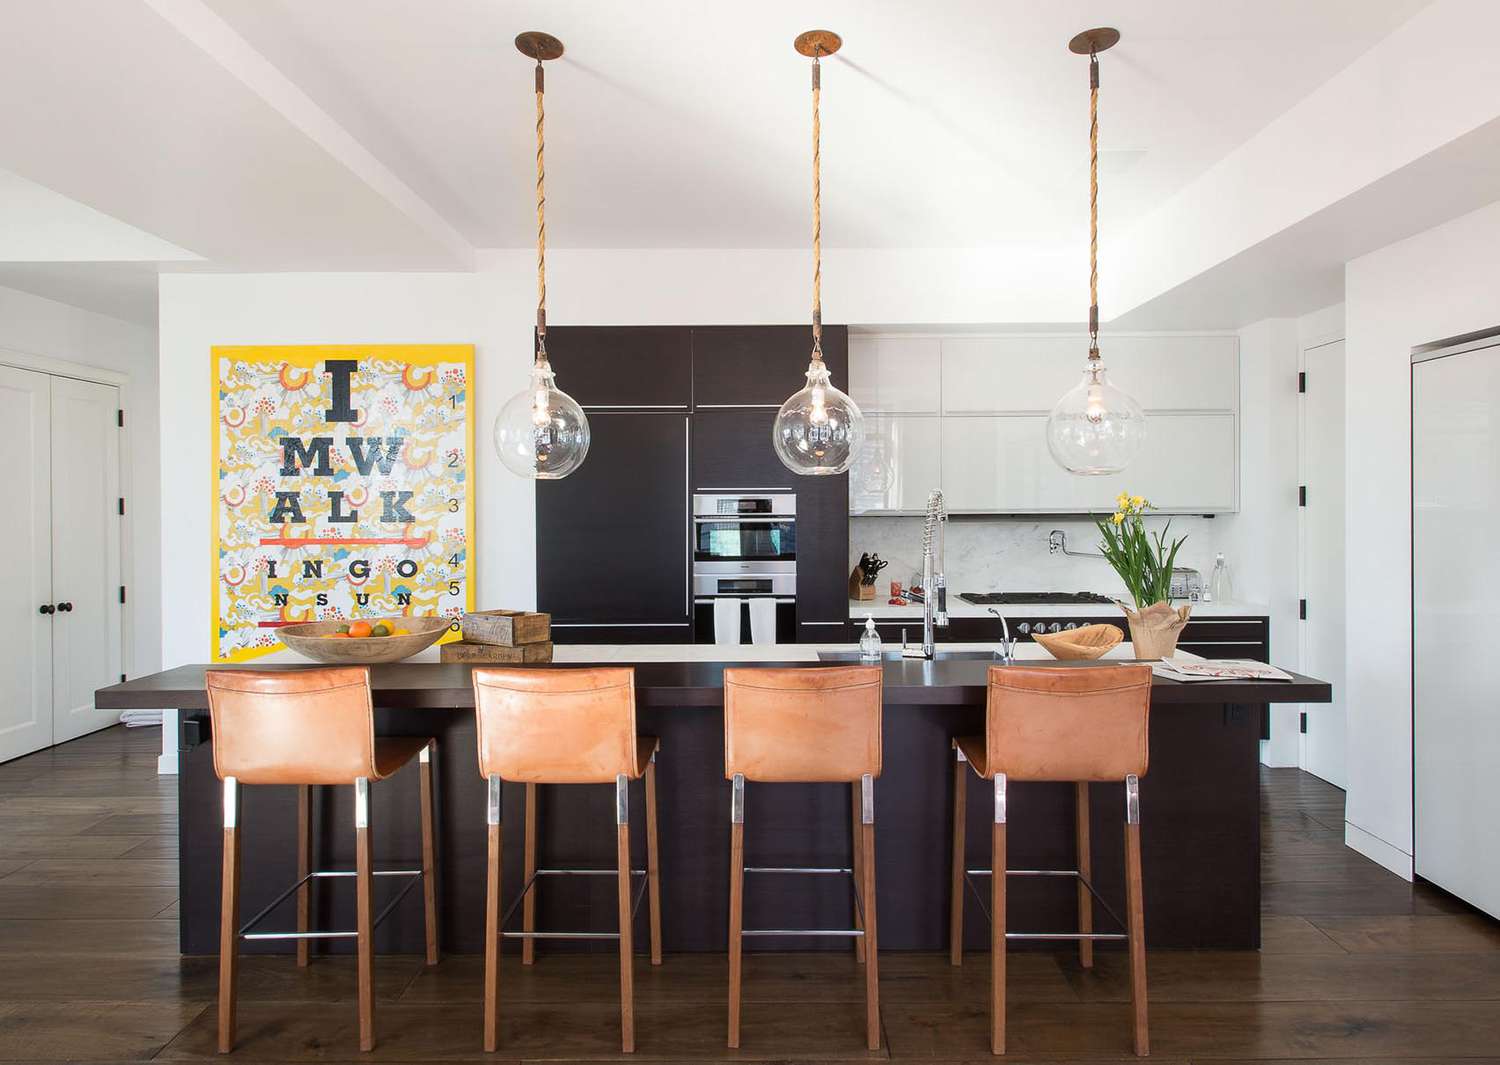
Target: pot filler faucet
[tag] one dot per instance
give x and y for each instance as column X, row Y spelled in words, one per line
column 934, row 583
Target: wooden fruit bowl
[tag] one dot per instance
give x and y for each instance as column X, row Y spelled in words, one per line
column 311, row 640
column 1088, row 641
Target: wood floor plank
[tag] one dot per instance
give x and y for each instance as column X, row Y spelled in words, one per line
column 1295, row 935
column 71, row 901
column 119, row 872
column 93, row 938
column 82, row 1031
column 1389, row 896
column 1413, row 934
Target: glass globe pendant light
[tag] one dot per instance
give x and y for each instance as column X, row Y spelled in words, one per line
column 542, row 432
column 818, row 430
column 1095, row 428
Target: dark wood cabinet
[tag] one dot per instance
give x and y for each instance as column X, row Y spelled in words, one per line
column 624, row 366
column 612, row 539
column 736, row 366
column 732, row 450
column 822, row 548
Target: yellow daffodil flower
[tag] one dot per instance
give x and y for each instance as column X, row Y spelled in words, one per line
column 1122, row 501
column 1118, row 519
column 1138, row 502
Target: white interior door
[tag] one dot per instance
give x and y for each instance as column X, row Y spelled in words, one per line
column 86, row 644
column 1322, row 633
column 1456, row 674
column 26, row 546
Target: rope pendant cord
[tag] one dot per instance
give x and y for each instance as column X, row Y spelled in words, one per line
column 1093, row 206
column 817, row 234
column 541, row 223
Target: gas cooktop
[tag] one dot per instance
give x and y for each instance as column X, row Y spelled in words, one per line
column 996, row 598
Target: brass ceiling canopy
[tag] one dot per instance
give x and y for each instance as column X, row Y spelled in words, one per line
column 815, row 43
column 1092, row 42
column 539, row 46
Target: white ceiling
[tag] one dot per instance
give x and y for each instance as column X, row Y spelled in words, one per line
column 684, row 124
column 392, row 135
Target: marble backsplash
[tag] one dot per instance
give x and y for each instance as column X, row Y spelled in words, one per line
column 1011, row 554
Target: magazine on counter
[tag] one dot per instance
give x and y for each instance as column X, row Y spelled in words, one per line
column 1217, row 669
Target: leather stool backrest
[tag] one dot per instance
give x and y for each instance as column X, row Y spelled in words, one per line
column 1081, row 724
column 305, row 726
column 556, row 726
column 803, row 724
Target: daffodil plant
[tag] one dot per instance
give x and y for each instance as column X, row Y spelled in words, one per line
column 1143, row 560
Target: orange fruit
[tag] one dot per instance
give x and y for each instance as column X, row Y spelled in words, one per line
column 359, row 629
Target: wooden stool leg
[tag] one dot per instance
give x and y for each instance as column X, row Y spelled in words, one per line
column 857, row 846
column 528, row 902
column 229, row 917
column 429, row 856
column 736, row 903
column 956, row 877
column 627, row 953
column 1135, row 913
column 653, row 868
column 492, row 919
column 364, row 916
column 1085, row 872
column 997, row 922
column 872, row 946
column 304, row 868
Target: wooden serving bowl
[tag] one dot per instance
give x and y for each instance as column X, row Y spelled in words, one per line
column 310, row 640
column 1087, row 641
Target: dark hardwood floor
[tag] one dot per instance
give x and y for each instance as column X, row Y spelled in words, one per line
column 1357, row 964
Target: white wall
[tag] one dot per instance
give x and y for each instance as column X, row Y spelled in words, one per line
column 1437, row 284
column 43, row 334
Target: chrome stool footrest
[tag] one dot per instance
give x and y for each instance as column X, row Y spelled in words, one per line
column 1072, row 874
column 851, row 933
column 412, row 877
column 530, row 885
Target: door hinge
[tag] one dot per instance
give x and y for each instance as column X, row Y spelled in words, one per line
column 122, row 506
column 1301, row 495
column 122, row 593
column 1302, row 725
column 122, row 679
column 1302, row 382
column 120, row 417
column 1302, row 609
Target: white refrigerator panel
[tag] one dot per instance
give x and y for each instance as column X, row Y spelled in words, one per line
column 1455, row 572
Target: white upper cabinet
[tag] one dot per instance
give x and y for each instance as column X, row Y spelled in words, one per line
column 996, row 375
column 968, row 414
column 895, row 374
column 1001, row 465
column 899, row 462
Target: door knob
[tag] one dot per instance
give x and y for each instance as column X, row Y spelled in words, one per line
column 63, row 608
column 46, row 608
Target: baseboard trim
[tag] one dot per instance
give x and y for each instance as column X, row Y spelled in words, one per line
column 1378, row 850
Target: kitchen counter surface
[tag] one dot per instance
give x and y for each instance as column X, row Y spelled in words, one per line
column 880, row 610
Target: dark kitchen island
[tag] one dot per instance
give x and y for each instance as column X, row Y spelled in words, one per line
column 1199, row 802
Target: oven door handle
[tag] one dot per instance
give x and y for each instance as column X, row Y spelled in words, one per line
column 739, row 519
column 730, row 595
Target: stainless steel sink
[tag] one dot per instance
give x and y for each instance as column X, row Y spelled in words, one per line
column 892, row 656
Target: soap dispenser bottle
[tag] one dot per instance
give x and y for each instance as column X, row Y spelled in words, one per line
column 869, row 641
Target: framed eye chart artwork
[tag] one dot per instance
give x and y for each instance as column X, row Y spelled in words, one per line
column 342, row 487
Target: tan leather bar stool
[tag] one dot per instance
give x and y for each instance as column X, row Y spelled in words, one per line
column 565, row 726
column 805, row 726
column 1053, row 724
column 311, row 727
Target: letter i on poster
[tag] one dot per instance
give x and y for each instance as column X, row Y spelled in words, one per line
column 343, row 487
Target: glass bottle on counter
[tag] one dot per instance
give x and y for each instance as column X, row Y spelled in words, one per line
column 869, row 641
column 1220, row 583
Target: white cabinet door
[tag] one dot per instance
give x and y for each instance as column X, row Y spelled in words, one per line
column 991, row 375
column 26, row 546
column 895, row 374
column 85, row 553
column 1001, row 465
column 899, row 463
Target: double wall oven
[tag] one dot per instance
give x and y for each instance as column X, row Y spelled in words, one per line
column 745, row 548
